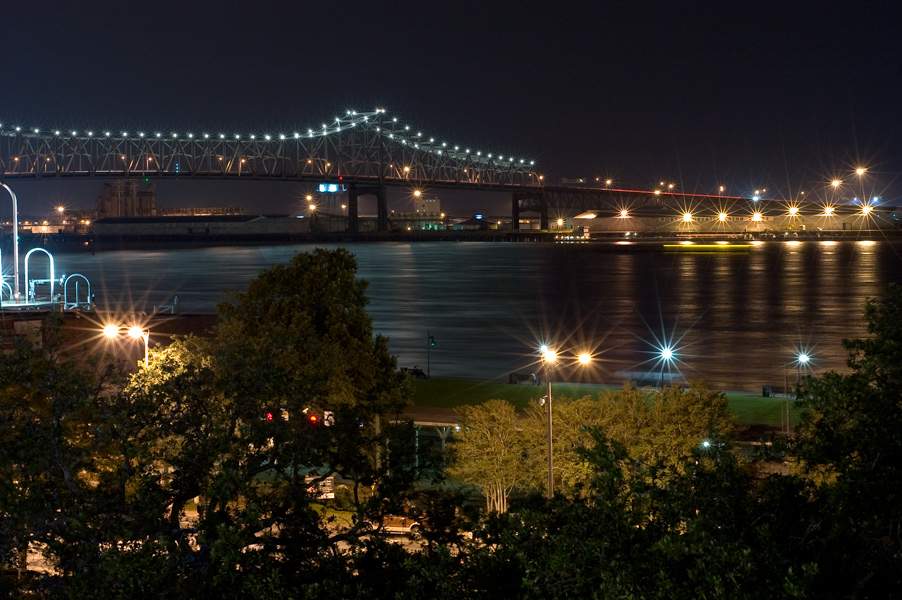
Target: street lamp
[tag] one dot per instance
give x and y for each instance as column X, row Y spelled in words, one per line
column 666, row 357
column 801, row 359
column 549, row 357
column 139, row 333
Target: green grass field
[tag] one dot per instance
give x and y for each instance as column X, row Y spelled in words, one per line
column 749, row 409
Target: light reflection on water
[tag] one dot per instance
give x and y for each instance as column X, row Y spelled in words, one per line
column 740, row 318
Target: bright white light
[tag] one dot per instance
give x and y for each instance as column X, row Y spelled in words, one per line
column 722, row 217
column 687, row 217
column 793, row 211
column 111, row 331
column 757, row 216
column 666, row 353
column 136, row 332
column 803, row 358
column 585, row 358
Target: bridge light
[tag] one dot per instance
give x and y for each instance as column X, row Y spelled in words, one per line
column 141, row 134
column 190, row 136
column 253, row 137
column 859, row 170
column 57, row 132
column 36, row 130
column 74, row 132
column 159, row 135
column 395, row 120
column 124, row 134
column 90, row 134
column 267, row 137
column 866, row 210
column 624, row 214
column 107, row 133
column 417, row 193
column 281, row 136
column 657, row 192
column 237, row 136
column 296, row 135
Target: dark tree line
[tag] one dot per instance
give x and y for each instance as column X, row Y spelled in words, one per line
column 198, row 476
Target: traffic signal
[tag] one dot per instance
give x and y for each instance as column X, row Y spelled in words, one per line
column 268, row 416
column 313, row 419
column 432, row 340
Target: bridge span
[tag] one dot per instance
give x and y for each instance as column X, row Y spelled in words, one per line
column 363, row 152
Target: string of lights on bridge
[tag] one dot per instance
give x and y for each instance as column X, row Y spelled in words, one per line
column 405, row 136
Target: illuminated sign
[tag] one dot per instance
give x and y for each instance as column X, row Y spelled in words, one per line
column 330, row 188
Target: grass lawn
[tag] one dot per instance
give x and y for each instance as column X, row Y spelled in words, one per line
column 750, row 409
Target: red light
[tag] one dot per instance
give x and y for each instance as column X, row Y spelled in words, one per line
column 313, row 419
column 269, row 416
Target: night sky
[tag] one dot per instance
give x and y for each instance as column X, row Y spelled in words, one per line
column 784, row 95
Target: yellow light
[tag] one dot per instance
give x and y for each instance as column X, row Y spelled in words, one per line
column 111, row 331
column 687, row 217
column 722, row 216
column 793, row 211
column 417, row 193
column 866, row 210
column 757, row 216
column 136, row 332
column 560, row 222
column 60, row 209
column 309, row 197
column 312, row 207
column 657, row 192
column 828, row 210
column 836, row 183
column 407, row 169
column 585, row 358
column 860, row 170
column 608, row 182
column 549, row 356
column 624, row 214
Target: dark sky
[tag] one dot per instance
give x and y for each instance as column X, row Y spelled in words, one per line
column 785, row 95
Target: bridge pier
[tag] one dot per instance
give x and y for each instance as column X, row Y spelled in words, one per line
column 531, row 201
column 354, row 192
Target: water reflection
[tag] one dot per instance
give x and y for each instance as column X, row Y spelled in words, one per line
column 740, row 317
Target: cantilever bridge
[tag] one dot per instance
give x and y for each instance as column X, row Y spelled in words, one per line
column 366, row 152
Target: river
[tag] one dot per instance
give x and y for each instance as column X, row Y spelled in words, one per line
column 737, row 319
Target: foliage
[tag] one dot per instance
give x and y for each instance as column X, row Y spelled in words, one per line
column 850, row 442
column 55, row 454
column 488, row 451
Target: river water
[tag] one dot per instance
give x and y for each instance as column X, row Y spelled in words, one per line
column 737, row 319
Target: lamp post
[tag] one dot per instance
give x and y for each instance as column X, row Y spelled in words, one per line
column 666, row 357
column 139, row 333
column 15, row 241
column 549, row 358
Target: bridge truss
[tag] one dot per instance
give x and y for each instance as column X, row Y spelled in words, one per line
column 364, row 151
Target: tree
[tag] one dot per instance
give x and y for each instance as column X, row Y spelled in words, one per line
column 849, row 442
column 658, row 428
column 54, row 404
column 228, row 423
column 489, row 451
